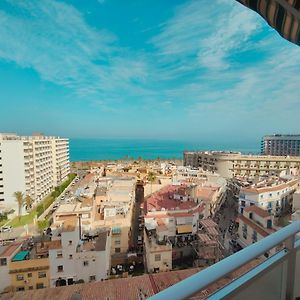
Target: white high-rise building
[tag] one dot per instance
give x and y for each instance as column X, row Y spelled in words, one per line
column 31, row 164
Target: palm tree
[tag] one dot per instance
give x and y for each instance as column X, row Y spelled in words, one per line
column 151, row 178
column 20, row 199
column 28, row 202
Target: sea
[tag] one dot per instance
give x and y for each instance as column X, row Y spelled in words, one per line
column 114, row 149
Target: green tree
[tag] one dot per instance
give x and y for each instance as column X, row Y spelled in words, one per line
column 151, row 178
column 28, row 202
column 20, row 200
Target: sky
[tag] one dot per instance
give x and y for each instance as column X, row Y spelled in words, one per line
column 197, row 70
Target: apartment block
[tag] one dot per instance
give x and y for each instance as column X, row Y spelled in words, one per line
column 74, row 258
column 31, row 164
column 254, row 224
column 232, row 164
column 28, row 271
column 6, row 254
column 274, row 196
column 281, row 144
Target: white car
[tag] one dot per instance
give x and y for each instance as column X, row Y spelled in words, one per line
column 5, row 229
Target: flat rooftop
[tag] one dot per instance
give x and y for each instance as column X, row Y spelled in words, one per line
column 163, row 199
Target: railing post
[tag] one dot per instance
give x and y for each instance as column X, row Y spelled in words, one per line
column 291, row 268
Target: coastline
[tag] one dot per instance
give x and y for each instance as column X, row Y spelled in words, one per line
column 96, row 150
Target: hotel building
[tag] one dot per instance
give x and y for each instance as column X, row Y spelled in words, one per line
column 31, row 164
column 280, row 144
column 231, row 164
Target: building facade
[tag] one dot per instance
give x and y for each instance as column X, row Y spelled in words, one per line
column 73, row 259
column 231, row 164
column 28, row 273
column 254, row 224
column 275, row 197
column 281, row 144
column 31, row 164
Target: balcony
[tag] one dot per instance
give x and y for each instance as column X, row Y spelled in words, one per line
column 277, row 277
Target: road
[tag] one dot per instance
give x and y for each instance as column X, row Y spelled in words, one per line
column 226, row 215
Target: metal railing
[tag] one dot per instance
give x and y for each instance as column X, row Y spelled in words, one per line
column 285, row 260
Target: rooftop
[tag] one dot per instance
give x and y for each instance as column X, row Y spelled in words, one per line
column 8, row 251
column 126, row 288
column 259, row 229
column 163, row 200
column 258, row 210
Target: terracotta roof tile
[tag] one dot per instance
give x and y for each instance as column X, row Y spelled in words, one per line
column 257, row 210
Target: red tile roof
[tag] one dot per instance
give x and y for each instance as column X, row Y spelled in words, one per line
column 208, row 223
column 9, row 251
column 164, row 199
column 257, row 210
column 126, row 288
column 261, row 230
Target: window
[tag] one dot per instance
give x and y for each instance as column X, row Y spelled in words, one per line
column 70, row 242
column 254, row 237
column 29, row 275
column 117, row 250
column 42, row 274
column 59, row 254
column 3, row 262
column 70, row 256
column 93, row 278
column 118, row 242
column 157, row 257
column 31, row 287
column 20, row 288
column 20, row 277
column 39, row 285
column 243, row 203
column 60, row 268
column 85, row 263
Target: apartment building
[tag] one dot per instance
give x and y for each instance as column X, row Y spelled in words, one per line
column 73, row 258
column 232, row 164
column 6, row 254
column 29, row 270
column 254, row 224
column 114, row 199
column 171, row 223
column 281, row 144
column 275, row 196
column 31, row 164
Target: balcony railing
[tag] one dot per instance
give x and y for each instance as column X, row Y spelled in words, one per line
column 277, row 277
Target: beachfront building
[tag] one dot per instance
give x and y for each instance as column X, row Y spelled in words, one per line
column 274, row 195
column 74, row 259
column 6, row 254
column 254, row 224
column 281, row 144
column 32, row 165
column 232, row 164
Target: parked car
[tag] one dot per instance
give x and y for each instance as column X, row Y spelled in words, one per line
column 6, row 229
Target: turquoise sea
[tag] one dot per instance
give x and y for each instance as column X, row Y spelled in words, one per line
column 111, row 149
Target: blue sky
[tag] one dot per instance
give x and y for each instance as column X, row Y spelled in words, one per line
column 200, row 69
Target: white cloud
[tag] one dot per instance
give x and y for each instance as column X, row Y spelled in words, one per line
column 53, row 38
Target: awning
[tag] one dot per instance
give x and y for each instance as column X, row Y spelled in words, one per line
column 184, row 229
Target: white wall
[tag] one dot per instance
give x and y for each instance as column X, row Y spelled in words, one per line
column 13, row 171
